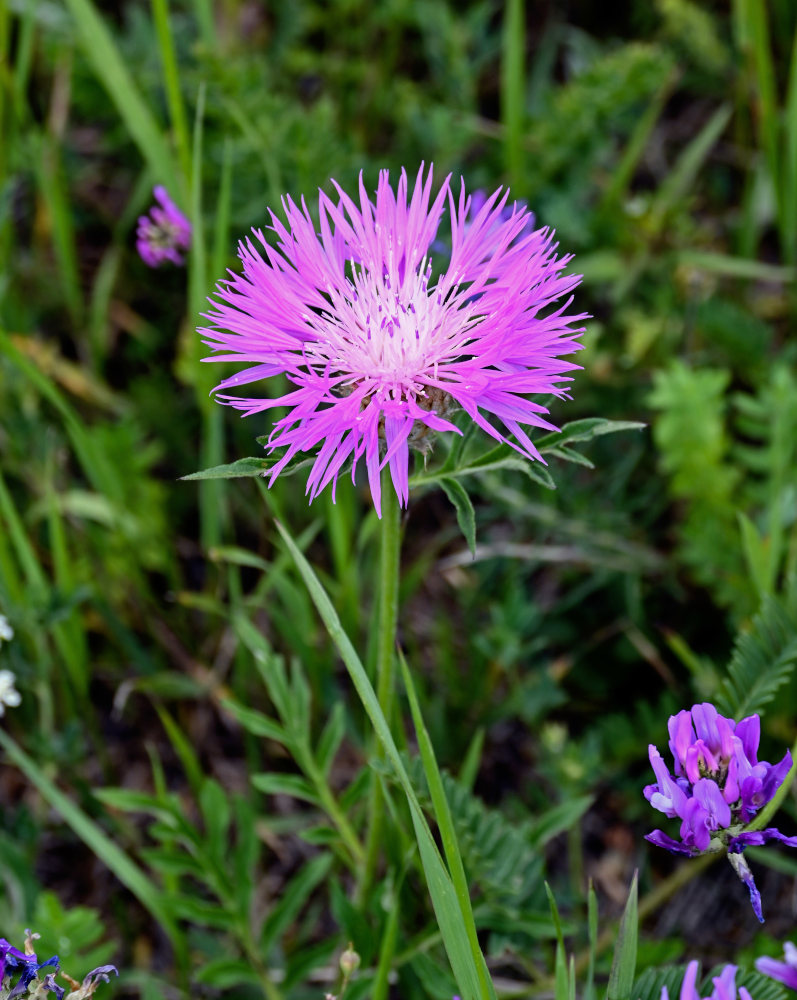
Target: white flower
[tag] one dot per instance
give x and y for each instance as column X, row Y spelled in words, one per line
column 8, row 693
column 6, row 632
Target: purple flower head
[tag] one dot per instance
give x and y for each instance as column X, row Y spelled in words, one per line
column 22, row 966
column 12, row 958
column 717, row 787
column 786, row 971
column 724, row 985
column 379, row 350
column 164, row 234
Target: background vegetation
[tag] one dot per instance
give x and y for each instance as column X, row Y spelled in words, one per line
column 184, row 783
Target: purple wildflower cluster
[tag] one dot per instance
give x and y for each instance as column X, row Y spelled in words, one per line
column 379, row 349
column 19, row 975
column 724, row 985
column 718, row 786
column 164, row 234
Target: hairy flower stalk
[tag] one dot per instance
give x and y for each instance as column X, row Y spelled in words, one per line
column 379, row 348
column 717, row 788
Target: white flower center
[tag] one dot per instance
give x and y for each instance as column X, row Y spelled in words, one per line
column 392, row 331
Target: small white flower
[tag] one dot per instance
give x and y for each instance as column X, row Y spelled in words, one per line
column 8, row 693
column 6, row 632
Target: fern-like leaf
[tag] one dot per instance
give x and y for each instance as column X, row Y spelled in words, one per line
column 763, row 658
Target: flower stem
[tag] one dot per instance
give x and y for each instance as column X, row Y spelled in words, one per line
column 389, row 565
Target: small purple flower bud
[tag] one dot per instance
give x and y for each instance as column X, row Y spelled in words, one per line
column 742, row 869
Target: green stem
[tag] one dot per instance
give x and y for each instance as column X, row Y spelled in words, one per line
column 389, row 565
column 332, row 808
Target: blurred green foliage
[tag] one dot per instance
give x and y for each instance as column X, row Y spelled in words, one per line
column 150, row 615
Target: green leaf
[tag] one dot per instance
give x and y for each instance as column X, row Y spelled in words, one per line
column 442, row 811
column 570, row 455
column 621, row 977
column 557, row 819
column 177, row 863
column 127, row 800
column 126, row 870
column 183, row 748
column 473, row 981
column 331, row 737
column 555, row 918
column 680, row 179
column 585, row 430
column 292, row 899
column 756, row 554
column 223, row 973
column 254, row 721
column 764, row 658
column 241, row 469
column 112, row 71
column 286, row 784
column 466, row 516
column 200, row 911
column 649, row 985
column 216, row 815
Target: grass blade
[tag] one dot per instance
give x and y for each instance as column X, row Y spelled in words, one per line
column 125, row 869
column 473, row 978
column 111, row 70
column 442, row 812
column 513, row 91
column 621, row 977
column 171, row 78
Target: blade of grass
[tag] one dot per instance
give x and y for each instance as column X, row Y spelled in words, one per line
column 98, row 471
column 637, row 142
column 110, row 68
column 621, row 977
column 442, row 812
column 211, row 452
column 472, row 977
column 788, row 208
column 52, row 189
column 681, row 178
column 207, row 28
column 221, row 230
column 15, row 531
column 513, row 44
column 753, row 28
column 125, row 869
column 592, row 924
column 171, row 77
column 387, row 949
column 73, row 645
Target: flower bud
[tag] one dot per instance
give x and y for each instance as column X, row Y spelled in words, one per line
column 349, row 961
